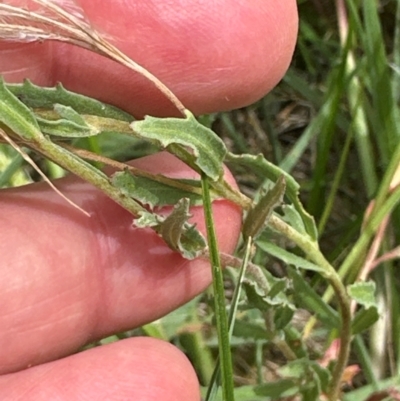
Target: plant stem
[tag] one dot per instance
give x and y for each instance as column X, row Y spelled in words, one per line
column 311, row 250
column 219, row 297
column 87, row 172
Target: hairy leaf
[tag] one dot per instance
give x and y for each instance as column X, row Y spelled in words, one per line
column 151, row 192
column 258, row 215
column 16, row 116
column 265, row 169
column 293, row 218
column 363, row 293
column 71, row 125
column 263, row 300
column 208, row 150
column 175, row 229
column 35, row 96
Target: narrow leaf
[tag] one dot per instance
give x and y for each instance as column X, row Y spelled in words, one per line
column 289, row 258
column 209, row 151
column 278, row 389
column 150, row 192
column 293, row 218
column 364, row 319
column 16, row 116
column 307, row 298
column 265, row 169
column 258, row 216
column 66, row 128
column 68, row 113
column 35, row 96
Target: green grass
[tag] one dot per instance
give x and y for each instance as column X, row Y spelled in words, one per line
column 333, row 123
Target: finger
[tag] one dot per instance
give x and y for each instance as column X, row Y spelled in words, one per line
column 213, row 55
column 134, row 369
column 67, row 279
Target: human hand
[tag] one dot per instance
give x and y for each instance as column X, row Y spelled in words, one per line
column 66, row 280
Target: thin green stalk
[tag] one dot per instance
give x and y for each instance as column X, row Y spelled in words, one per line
column 330, row 274
column 213, row 387
column 365, row 361
column 219, row 297
column 87, row 172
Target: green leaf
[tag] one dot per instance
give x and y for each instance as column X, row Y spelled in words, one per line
column 259, row 165
column 148, row 219
column 35, row 96
column 242, row 393
column 208, row 150
column 307, row 298
column 258, row 298
column 16, row 116
column 364, row 319
column 273, row 299
column 258, row 216
column 71, row 125
column 310, row 391
column 68, row 113
column 181, row 235
column 363, row 293
column 266, row 293
column 283, row 316
column 293, row 218
column 278, row 389
column 175, row 230
column 289, row 258
column 175, row 322
column 250, row 330
column 151, row 192
column 308, row 373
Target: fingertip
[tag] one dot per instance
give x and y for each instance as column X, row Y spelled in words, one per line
column 215, row 56
column 135, row 369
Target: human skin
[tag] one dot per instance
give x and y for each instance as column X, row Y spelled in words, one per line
column 66, row 279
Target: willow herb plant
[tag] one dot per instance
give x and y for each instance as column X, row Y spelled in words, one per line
column 44, row 119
